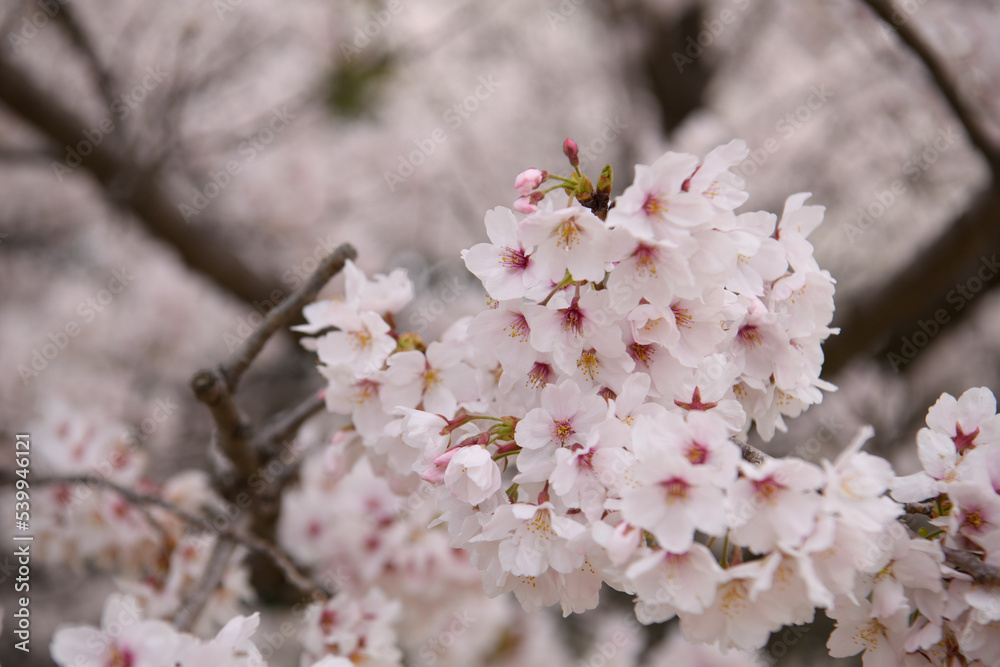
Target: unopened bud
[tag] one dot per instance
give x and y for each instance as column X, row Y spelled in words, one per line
column 572, row 151
column 528, row 180
column 605, row 181
column 410, row 341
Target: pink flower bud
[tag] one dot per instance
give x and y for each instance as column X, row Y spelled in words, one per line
column 572, row 151
column 435, row 474
column 524, row 205
column 528, row 180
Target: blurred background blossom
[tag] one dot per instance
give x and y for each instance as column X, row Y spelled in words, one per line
column 170, row 171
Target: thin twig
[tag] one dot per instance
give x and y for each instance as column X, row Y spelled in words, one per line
column 252, row 542
column 972, row 565
column 215, row 387
column 944, row 80
column 285, row 425
column 752, row 455
column 927, row 509
column 42, row 156
column 196, row 600
column 134, row 189
column 282, row 314
column 67, row 17
column 232, row 429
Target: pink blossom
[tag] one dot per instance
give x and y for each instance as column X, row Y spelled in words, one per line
column 528, row 180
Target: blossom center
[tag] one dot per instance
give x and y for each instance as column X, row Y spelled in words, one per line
column 541, row 524
column 120, row 657
column 328, row 621
column 431, row 378
column 646, row 257
column 588, row 364
column 562, row 429
column 734, row 601
column 964, row 440
column 518, row 328
column 539, row 375
column 513, row 258
column 696, row 453
column 750, row 336
column 572, row 318
column 568, row 233
column 641, row 354
column 696, row 402
column 973, row 520
column 767, row 488
column 675, row 488
column 682, row 316
column 364, row 391
column 360, row 339
column 654, row 205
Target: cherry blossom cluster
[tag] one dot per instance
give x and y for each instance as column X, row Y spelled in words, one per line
column 580, row 430
column 368, row 538
column 934, row 598
column 407, row 597
column 126, row 637
column 156, row 558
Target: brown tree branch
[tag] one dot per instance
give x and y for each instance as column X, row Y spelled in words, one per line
column 943, row 80
column 249, row 451
column 67, row 18
column 252, row 542
column 133, row 188
column 20, row 156
column 216, row 387
column 925, row 291
column 971, row 564
column 284, row 313
column 233, row 432
column 285, row 425
column 925, row 509
column 751, row 454
column 200, row 593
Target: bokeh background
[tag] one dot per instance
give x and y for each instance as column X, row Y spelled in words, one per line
column 168, row 171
